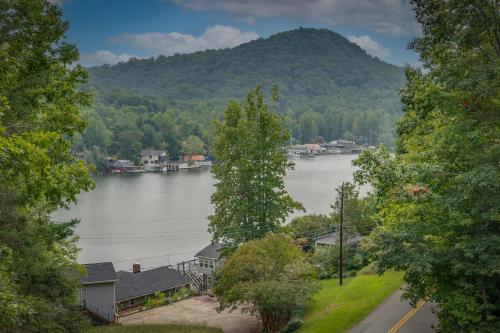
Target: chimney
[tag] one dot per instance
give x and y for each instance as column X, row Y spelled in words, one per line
column 136, row 268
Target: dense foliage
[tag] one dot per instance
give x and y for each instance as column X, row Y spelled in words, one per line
column 250, row 198
column 269, row 277
column 327, row 260
column 358, row 212
column 39, row 114
column 306, row 227
column 329, row 87
column 439, row 197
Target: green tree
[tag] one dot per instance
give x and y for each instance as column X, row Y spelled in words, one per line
column 250, row 198
column 39, row 115
column 358, row 212
column 192, row 145
column 348, row 136
column 438, row 198
column 98, row 158
column 96, row 134
column 309, row 126
column 305, row 228
column 327, row 259
column 270, row 277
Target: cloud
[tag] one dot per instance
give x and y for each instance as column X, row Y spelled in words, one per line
column 387, row 17
column 370, row 46
column 103, row 57
column 216, row 37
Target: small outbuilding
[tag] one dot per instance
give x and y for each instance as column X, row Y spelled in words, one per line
column 97, row 293
column 209, row 258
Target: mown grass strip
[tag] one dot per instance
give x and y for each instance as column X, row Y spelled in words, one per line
column 337, row 308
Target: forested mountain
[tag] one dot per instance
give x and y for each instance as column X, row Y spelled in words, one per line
column 328, row 87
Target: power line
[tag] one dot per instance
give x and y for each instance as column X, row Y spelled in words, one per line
column 125, row 241
column 146, row 221
column 152, row 257
column 183, row 234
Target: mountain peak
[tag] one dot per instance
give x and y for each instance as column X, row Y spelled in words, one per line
column 303, row 62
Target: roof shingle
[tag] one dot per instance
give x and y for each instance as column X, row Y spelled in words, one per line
column 99, row 272
column 131, row 285
column 211, row 251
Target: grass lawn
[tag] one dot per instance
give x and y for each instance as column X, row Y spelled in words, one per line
column 154, row 329
column 337, row 308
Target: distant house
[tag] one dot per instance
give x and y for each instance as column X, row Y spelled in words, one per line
column 333, row 238
column 133, row 288
column 124, row 166
column 97, row 293
column 193, row 158
column 344, row 146
column 106, row 293
column 151, row 156
column 297, row 149
column 314, row 148
column 306, row 149
column 123, row 163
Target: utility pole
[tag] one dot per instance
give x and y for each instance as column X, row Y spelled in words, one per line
column 341, row 216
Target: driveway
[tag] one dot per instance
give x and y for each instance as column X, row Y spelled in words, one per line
column 200, row 310
column 395, row 315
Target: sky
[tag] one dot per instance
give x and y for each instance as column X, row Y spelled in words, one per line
column 110, row 31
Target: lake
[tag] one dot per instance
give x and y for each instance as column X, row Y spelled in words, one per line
column 160, row 219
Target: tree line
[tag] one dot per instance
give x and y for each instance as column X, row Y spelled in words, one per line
column 121, row 124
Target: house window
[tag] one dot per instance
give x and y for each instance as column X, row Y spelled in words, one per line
column 211, row 263
column 131, row 302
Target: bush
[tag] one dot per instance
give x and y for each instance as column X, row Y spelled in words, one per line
column 294, row 324
column 295, row 321
column 327, row 260
column 271, row 277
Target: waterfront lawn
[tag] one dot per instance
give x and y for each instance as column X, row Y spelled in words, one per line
column 337, row 308
column 154, row 329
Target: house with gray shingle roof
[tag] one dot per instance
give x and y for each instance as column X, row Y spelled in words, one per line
column 132, row 289
column 105, row 292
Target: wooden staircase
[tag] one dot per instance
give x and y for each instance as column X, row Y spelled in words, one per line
column 97, row 316
column 185, row 268
column 196, row 280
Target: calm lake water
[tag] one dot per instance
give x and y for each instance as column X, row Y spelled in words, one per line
column 160, row 219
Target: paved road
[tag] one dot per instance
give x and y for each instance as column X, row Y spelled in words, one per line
column 395, row 315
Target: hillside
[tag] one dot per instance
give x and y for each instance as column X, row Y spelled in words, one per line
column 303, row 62
column 329, row 87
